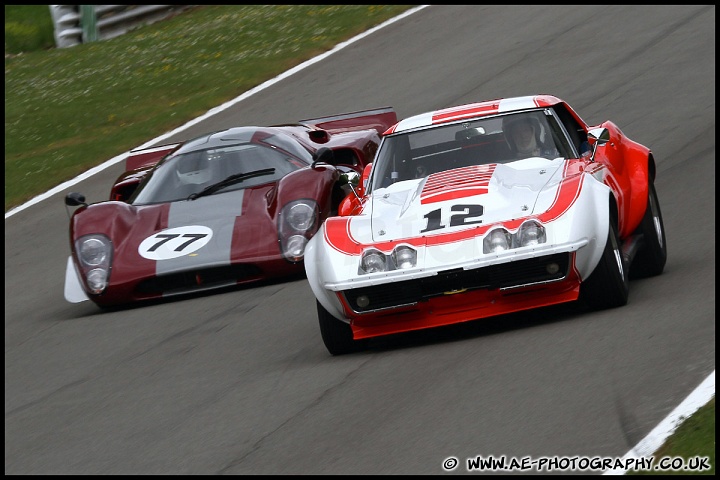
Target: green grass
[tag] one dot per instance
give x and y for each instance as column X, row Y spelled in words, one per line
column 695, row 437
column 28, row 28
column 70, row 109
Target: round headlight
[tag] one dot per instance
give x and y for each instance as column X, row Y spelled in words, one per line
column 97, row 280
column 531, row 233
column 93, row 251
column 295, row 247
column 373, row 261
column 497, row 241
column 404, row 257
column 300, row 216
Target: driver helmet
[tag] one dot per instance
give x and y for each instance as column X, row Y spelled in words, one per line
column 521, row 133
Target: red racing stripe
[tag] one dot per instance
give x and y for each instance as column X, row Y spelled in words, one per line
column 458, row 183
column 465, row 111
column 337, row 229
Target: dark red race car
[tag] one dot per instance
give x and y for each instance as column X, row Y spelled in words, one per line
column 227, row 208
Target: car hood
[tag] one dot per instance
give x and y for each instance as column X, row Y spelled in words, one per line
column 185, row 235
column 463, row 198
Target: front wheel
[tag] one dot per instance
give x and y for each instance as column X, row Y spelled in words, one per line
column 336, row 334
column 608, row 286
column 650, row 260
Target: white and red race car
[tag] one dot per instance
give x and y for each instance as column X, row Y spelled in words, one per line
column 486, row 209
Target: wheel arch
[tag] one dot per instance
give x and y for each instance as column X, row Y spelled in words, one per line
column 640, row 170
column 314, row 262
column 651, row 167
column 613, row 209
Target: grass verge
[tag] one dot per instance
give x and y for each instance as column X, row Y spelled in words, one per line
column 70, row 109
column 694, row 438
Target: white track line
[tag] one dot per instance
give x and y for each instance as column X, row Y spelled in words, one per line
column 210, row 113
column 655, row 439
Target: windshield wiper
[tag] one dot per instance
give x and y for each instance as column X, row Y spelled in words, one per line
column 237, row 178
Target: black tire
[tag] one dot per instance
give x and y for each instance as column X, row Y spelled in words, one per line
column 650, row 259
column 336, row 334
column 608, row 286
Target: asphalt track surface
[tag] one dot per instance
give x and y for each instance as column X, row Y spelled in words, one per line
column 239, row 382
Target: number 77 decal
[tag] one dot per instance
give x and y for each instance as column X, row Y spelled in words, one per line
column 175, row 242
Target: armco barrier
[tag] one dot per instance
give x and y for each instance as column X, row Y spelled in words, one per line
column 76, row 24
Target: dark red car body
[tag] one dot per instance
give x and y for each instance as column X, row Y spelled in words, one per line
column 133, row 248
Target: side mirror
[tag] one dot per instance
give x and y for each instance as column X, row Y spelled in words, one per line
column 74, row 199
column 352, row 204
column 348, row 182
column 597, row 137
column 350, row 178
column 323, row 155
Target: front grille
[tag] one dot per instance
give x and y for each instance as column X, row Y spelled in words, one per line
column 197, row 279
column 505, row 275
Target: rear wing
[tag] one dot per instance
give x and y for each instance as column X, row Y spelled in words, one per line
column 147, row 157
column 379, row 119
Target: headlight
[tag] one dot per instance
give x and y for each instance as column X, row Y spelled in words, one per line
column 298, row 221
column 531, row 233
column 94, row 253
column 373, row 261
column 97, row 280
column 404, row 257
column 300, row 216
column 295, row 248
column 497, row 241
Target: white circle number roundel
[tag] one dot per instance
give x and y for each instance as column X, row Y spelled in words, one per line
column 175, row 242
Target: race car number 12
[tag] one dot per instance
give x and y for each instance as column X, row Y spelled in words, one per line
column 175, row 242
column 434, row 218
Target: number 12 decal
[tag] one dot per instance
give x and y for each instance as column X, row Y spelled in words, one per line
column 466, row 212
column 175, row 242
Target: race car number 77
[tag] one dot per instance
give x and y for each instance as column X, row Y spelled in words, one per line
column 175, row 242
column 167, row 237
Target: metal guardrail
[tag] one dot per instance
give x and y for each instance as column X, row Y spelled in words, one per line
column 76, row 24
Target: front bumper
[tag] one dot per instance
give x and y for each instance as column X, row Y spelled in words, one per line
column 520, row 273
column 455, row 296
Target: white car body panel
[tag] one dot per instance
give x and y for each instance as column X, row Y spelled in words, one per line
column 74, row 293
column 395, row 215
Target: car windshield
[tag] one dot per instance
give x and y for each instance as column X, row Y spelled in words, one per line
column 498, row 139
column 183, row 176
